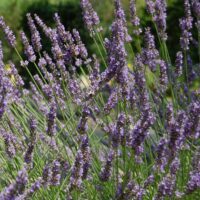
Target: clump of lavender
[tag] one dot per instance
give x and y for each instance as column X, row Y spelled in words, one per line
column 30, row 191
column 138, row 115
column 16, row 188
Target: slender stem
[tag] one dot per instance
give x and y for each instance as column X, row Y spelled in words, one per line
column 100, row 52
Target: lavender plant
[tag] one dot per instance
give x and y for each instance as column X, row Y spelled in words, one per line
column 131, row 131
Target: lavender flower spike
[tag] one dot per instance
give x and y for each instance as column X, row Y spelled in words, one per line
column 8, row 33
column 106, row 170
column 157, row 9
column 28, row 49
column 85, row 149
column 194, row 182
column 16, row 188
column 150, row 54
column 77, row 171
column 135, row 20
column 179, row 64
column 90, row 17
column 186, row 26
column 160, row 18
column 51, row 118
column 35, row 35
column 55, row 180
column 29, row 153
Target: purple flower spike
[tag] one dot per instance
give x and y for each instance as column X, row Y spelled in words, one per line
column 28, row 49
column 35, row 35
column 179, row 64
column 16, row 188
column 55, row 179
column 135, row 20
column 107, row 169
column 90, row 17
column 8, row 33
column 51, row 119
column 77, row 171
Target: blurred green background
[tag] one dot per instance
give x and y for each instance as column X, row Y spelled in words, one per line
column 14, row 12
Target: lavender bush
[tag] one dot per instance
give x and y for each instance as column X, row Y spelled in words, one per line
column 131, row 131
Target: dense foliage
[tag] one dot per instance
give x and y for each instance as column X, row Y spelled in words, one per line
column 127, row 130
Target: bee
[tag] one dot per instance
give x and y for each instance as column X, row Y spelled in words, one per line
column 11, row 76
